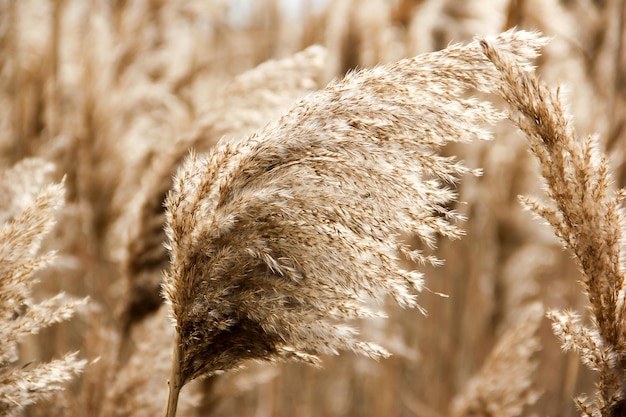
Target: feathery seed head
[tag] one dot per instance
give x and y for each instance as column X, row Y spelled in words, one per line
column 586, row 215
column 276, row 241
column 24, row 222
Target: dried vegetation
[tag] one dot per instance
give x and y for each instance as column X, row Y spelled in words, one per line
column 294, row 211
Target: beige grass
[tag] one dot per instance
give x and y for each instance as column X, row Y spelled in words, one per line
column 27, row 215
column 104, row 88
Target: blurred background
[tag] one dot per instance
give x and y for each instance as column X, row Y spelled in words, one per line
column 104, row 89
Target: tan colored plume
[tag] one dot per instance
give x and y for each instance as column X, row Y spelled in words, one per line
column 26, row 216
column 587, row 215
column 279, row 240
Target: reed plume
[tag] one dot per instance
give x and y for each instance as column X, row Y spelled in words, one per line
column 278, row 240
column 27, row 215
column 588, row 217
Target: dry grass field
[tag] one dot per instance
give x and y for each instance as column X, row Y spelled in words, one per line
column 370, row 208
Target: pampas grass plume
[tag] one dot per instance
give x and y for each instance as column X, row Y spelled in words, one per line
column 277, row 241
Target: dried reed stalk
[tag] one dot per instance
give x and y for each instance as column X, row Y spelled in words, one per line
column 278, row 240
column 27, row 216
column 588, row 217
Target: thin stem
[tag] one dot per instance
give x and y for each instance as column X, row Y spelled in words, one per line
column 175, row 382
